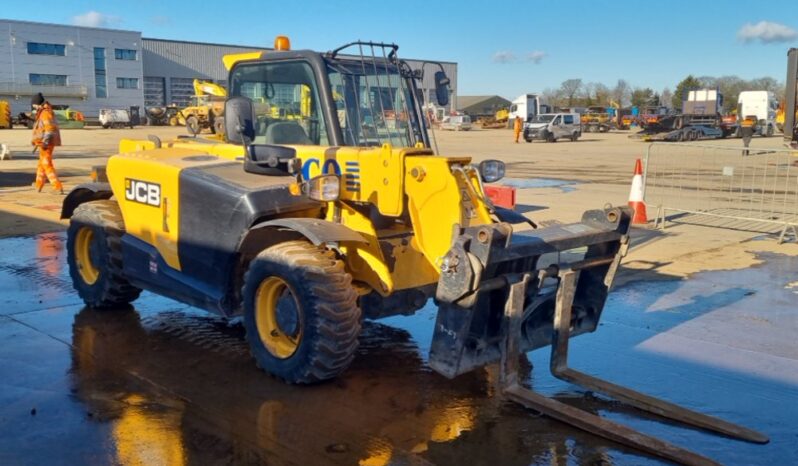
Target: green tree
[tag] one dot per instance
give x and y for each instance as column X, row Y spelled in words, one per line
column 690, row 82
column 569, row 88
column 643, row 97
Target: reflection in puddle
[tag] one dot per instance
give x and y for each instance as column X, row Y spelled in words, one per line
column 148, row 433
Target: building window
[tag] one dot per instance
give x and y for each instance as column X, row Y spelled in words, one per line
column 37, row 48
column 124, row 54
column 127, row 83
column 38, row 79
column 100, row 82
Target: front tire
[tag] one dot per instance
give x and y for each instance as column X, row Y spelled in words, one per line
column 94, row 254
column 300, row 313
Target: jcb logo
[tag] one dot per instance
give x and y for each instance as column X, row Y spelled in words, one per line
column 143, row 192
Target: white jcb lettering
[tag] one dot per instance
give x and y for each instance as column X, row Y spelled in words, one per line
column 143, row 192
column 153, row 195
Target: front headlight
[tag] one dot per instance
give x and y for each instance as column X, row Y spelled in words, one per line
column 325, row 188
column 491, row 170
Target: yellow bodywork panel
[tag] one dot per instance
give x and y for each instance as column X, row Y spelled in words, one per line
column 233, row 58
column 210, row 145
column 437, row 192
column 146, row 186
column 373, row 175
column 434, row 186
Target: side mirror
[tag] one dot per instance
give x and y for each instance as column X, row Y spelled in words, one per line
column 442, row 88
column 239, row 120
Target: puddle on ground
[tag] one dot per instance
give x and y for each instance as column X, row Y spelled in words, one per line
column 162, row 383
column 532, row 183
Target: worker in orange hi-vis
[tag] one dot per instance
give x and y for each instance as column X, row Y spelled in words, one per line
column 45, row 137
column 517, row 127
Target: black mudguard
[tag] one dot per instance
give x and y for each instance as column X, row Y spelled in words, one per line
column 317, row 231
column 84, row 193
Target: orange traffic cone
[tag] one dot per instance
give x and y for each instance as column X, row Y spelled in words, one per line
column 636, row 200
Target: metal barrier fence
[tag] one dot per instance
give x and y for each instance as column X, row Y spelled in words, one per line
column 724, row 187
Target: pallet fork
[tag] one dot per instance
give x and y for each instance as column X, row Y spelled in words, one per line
column 584, row 420
column 496, row 301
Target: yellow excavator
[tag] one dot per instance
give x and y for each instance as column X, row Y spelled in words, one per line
column 205, row 110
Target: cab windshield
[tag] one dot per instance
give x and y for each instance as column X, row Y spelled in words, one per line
column 542, row 118
column 374, row 104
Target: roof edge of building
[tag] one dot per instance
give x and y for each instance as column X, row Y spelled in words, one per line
column 194, row 42
column 41, row 23
column 178, row 41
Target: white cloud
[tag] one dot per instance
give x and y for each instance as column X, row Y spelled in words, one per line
column 504, row 57
column 94, row 19
column 766, row 32
column 536, row 56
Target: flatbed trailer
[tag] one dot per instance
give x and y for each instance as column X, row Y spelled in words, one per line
column 687, row 133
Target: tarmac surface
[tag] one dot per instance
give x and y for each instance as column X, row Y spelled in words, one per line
column 701, row 316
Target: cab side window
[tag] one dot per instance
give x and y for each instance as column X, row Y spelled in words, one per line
column 556, row 121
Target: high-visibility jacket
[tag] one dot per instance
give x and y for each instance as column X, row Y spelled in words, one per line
column 517, row 125
column 45, row 129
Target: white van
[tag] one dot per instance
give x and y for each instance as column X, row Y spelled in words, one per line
column 552, row 126
column 456, row 123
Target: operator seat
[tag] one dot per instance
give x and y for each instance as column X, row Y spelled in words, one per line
column 286, row 132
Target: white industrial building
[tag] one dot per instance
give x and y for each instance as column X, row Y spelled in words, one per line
column 93, row 68
column 85, row 68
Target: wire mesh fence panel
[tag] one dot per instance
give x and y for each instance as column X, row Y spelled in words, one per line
column 726, row 187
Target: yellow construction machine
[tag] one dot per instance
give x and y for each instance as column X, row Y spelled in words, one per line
column 498, row 120
column 6, row 121
column 205, row 110
column 306, row 220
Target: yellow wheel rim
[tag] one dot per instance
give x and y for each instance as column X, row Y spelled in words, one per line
column 88, row 271
column 278, row 317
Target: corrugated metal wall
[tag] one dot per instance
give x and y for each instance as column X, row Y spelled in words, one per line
column 167, row 59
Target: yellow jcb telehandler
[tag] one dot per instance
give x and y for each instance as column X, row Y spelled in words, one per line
column 305, row 222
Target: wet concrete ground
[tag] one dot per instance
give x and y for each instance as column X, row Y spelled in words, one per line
column 163, row 383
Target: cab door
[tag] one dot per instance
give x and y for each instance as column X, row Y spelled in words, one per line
column 556, row 127
column 568, row 126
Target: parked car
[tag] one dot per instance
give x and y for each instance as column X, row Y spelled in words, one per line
column 456, row 123
column 114, row 118
column 552, row 126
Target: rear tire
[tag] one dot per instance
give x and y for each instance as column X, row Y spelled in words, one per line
column 193, row 126
column 94, row 255
column 300, row 313
column 218, row 126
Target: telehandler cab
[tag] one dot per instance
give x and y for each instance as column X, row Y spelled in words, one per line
column 324, row 205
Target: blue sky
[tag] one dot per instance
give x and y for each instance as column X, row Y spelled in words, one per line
column 505, row 48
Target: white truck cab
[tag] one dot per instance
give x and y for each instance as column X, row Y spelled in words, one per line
column 553, row 126
column 762, row 105
column 527, row 106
